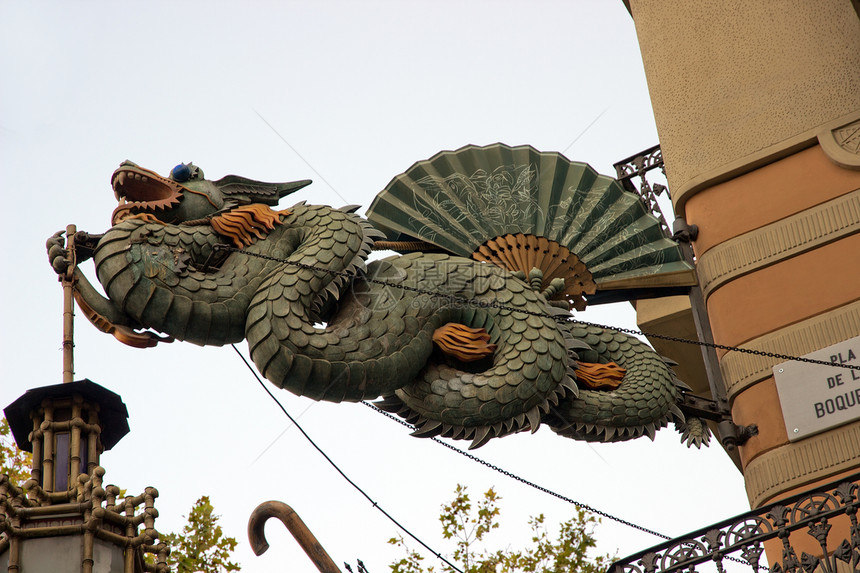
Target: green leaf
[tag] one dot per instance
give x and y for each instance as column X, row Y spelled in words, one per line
column 14, row 463
column 466, row 528
column 201, row 545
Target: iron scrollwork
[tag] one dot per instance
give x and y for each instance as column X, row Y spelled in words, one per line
column 637, row 166
column 805, row 517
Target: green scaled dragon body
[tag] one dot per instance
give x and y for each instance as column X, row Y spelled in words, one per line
column 211, row 263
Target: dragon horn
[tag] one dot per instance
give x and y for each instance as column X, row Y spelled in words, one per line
column 257, row 191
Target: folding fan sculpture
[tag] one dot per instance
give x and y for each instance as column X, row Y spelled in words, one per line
column 523, row 209
column 463, row 342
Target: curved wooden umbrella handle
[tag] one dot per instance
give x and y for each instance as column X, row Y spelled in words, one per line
column 295, row 525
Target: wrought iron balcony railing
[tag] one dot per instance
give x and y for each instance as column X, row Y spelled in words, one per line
column 798, row 525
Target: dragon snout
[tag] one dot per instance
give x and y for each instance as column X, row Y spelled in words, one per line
column 140, row 190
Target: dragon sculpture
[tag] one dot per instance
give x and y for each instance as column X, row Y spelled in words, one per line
column 458, row 347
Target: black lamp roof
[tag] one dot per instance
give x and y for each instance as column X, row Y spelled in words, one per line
column 113, row 415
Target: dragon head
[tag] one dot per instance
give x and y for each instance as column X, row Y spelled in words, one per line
column 185, row 195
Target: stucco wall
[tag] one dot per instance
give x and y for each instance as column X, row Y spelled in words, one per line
column 735, row 83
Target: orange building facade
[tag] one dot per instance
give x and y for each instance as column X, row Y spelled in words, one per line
column 757, row 106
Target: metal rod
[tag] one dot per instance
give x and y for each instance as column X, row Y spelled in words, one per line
column 75, row 445
column 36, row 472
column 88, row 560
column 295, row 525
column 69, row 309
column 48, row 468
column 14, row 555
column 58, row 509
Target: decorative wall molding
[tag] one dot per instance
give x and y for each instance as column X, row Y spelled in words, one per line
column 842, row 144
column 793, row 465
column 820, row 134
column 741, row 371
column 789, row 237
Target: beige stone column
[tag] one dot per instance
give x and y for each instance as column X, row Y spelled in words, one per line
column 757, row 106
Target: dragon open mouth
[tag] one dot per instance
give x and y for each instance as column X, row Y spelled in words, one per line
column 140, row 191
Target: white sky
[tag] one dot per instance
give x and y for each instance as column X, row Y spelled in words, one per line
column 359, row 91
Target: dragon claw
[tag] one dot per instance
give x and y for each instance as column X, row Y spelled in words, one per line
column 60, row 265
column 57, row 253
column 59, row 256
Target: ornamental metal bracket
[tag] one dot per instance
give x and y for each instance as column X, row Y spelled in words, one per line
column 682, row 232
column 637, row 166
column 731, row 435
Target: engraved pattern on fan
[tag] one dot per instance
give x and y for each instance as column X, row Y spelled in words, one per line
column 525, row 252
column 502, row 199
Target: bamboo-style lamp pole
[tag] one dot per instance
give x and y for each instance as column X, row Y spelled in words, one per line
column 69, row 309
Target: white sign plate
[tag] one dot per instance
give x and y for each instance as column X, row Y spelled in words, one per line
column 814, row 397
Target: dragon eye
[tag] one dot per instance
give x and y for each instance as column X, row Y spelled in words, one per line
column 180, row 173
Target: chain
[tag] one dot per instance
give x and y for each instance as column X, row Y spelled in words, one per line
column 522, row 480
column 560, row 319
column 340, row 471
column 533, row 485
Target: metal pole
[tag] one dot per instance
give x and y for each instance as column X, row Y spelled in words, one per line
column 69, row 309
